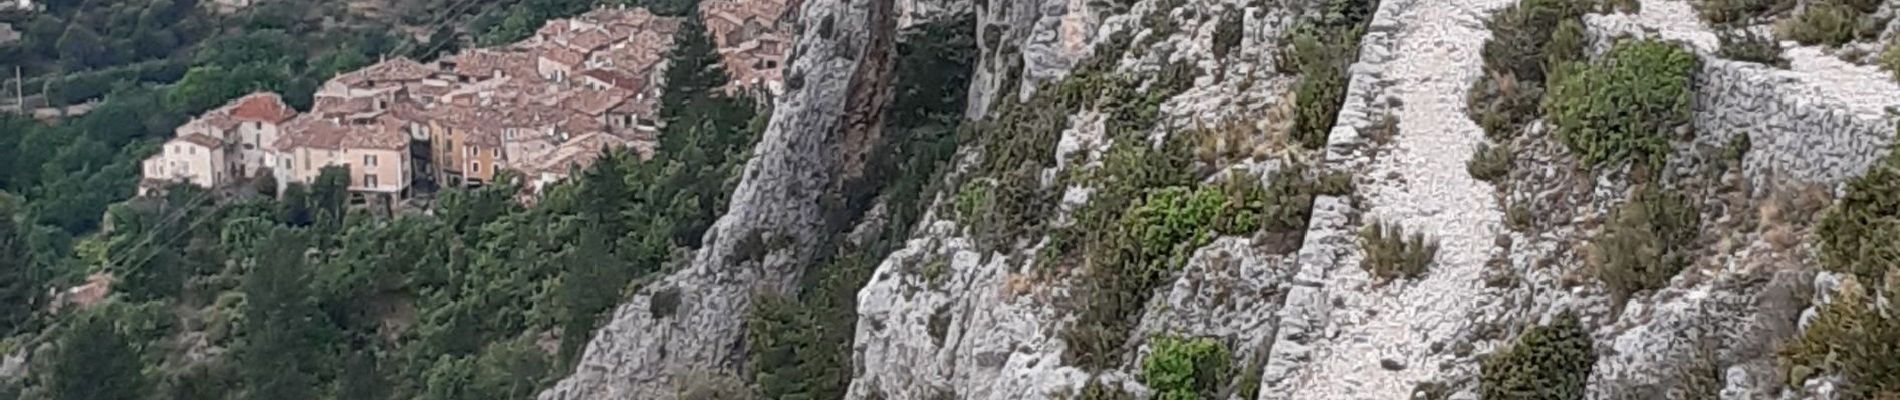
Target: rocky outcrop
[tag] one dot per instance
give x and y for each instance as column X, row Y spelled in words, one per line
column 943, row 317
column 691, row 322
column 1023, row 43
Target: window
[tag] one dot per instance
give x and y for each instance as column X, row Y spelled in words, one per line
column 369, row 180
column 497, row 152
column 474, row 168
column 369, row 160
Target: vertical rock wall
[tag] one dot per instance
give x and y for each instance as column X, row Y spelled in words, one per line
column 1794, row 132
column 692, row 321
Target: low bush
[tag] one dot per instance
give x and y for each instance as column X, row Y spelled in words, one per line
column 1186, row 369
column 1723, row 12
column 1745, row 45
column 1546, row 362
column 1391, row 254
column 1529, row 41
column 1647, row 242
column 1890, row 58
column 1521, row 32
column 1832, row 22
column 1322, row 88
column 1860, row 234
column 1323, row 48
column 1851, row 337
column 1627, row 105
column 1490, row 163
column 1143, row 247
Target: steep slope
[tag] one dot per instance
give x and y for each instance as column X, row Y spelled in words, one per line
column 690, row 323
column 1381, row 337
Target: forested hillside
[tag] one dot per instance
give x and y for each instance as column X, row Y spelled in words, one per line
column 219, row 296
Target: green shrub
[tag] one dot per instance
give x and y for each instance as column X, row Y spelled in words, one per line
column 1185, row 369
column 1832, row 22
column 1227, row 33
column 1490, row 163
column 1722, row 12
column 1744, row 45
column 1623, row 6
column 1546, row 362
column 1626, row 105
column 1391, row 254
column 1860, row 234
column 1323, row 48
column 1529, row 40
column 1852, row 338
column 1322, row 89
column 1649, row 240
column 1521, row 32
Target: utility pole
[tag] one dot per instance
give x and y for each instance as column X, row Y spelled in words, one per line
column 19, row 90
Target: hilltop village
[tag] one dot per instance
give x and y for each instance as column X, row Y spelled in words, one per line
column 541, row 107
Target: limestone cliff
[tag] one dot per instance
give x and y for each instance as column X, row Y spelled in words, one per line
column 691, row 322
column 957, row 313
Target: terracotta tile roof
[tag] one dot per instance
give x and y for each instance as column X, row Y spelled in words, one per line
column 595, row 102
column 590, row 40
column 323, row 133
column 261, row 107
column 616, row 79
column 562, row 55
column 399, row 69
column 485, row 62
column 553, row 28
column 578, row 152
column 334, row 106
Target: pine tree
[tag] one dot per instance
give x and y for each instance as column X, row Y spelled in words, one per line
column 19, row 286
column 94, row 362
column 692, row 73
column 275, row 356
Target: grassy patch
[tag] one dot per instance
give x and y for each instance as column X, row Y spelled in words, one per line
column 1851, row 337
column 1323, row 48
column 1744, row 45
column 1391, row 254
column 1490, row 163
column 1648, row 242
column 1627, row 105
column 1860, row 234
column 1529, row 40
column 1832, row 22
column 1723, row 12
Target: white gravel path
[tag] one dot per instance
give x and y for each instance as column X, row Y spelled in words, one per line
column 1428, row 51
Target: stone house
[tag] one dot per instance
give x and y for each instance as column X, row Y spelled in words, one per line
column 224, row 145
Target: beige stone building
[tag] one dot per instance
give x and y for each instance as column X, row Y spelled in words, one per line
column 222, row 146
column 544, row 107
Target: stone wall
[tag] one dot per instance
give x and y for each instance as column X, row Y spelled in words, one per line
column 1793, row 132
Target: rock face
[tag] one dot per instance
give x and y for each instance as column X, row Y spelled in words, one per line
column 1794, row 130
column 943, row 317
column 1027, row 42
column 691, row 322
